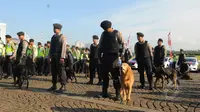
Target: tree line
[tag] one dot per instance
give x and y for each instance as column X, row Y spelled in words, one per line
column 187, row 52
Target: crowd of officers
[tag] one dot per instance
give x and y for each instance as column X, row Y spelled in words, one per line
column 61, row 61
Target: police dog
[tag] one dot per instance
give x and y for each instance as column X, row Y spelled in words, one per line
column 127, row 81
column 173, row 76
column 159, row 74
column 166, row 74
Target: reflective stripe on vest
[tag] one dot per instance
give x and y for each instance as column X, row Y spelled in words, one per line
column 9, row 49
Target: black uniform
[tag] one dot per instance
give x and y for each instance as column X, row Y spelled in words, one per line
column 144, row 59
column 159, row 55
column 57, row 52
column 127, row 55
column 21, row 60
column 181, row 59
column 94, row 63
column 109, row 48
column 184, row 70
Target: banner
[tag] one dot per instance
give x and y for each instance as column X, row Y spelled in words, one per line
column 170, row 43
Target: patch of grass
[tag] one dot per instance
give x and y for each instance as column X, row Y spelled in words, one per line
column 198, row 57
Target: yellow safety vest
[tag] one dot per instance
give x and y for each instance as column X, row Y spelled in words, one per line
column 9, row 49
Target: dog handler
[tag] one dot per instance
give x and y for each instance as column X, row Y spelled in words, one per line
column 143, row 56
column 111, row 46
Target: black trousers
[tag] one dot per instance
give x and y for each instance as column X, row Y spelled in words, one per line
column 107, row 67
column 95, row 67
column 47, row 66
column 75, row 65
column 145, row 64
column 9, row 66
column 1, row 66
column 31, row 66
column 58, row 70
column 78, row 66
column 40, row 65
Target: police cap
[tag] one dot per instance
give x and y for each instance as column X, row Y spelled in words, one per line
column 31, row 40
column 20, row 33
column 8, row 36
column 139, row 34
column 48, row 42
column 95, row 37
column 160, row 40
column 57, row 26
column 39, row 43
column 106, row 24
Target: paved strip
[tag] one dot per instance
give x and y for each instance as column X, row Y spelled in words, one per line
column 132, row 108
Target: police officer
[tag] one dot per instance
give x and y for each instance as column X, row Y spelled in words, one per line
column 9, row 52
column 94, row 60
column 174, row 61
column 40, row 59
column 47, row 66
column 111, row 46
column 2, row 48
column 184, row 70
column 57, row 54
column 181, row 58
column 68, row 48
column 31, row 53
column 127, row 55
column 21, row 57
column 73, row 50
column 159, row 54
column 82, row 61
column 78, row 56
column 143, row 56
column 2, row 54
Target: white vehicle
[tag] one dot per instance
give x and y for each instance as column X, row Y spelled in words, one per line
column 167, row 62
column 133, row 63
column 193, row 63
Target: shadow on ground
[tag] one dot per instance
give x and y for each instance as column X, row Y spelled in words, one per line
column 64, row 109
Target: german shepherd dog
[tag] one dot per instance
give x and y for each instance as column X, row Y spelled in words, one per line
column 165, row 74
column 127, row 81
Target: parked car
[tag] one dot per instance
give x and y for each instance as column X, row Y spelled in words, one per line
column 167, row 62
column 193, row 63
column 133, row 63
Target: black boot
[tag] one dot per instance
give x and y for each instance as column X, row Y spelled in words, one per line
column 150, row 86
column 117, row 92
column 62, row 89
column 52, row 88
column 104, row 93
column 142, row 86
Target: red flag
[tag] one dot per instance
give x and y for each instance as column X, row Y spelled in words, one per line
column 170, row 43
column 169, row 39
